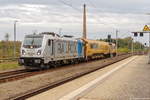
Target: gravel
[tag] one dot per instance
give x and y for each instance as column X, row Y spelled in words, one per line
column 10, row 89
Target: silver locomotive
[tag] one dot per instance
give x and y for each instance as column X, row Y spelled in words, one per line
column 49, row 49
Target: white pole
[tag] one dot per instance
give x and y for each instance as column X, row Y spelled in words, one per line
column 15, row 38
column 149, row 49
column 116, row 42
column 132, row 46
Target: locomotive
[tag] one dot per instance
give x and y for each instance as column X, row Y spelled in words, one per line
column 41, row 51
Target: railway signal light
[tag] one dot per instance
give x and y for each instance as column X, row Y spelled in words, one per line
column 135, row 34
column 109, row 38
column 141, row 34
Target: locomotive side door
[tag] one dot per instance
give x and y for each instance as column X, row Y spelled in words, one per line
column 50, row 50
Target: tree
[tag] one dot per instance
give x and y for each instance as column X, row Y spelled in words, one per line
column 6, row 45
column 125, row 44
column 7, row 37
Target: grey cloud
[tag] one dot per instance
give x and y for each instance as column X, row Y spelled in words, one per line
column 50, row 15
column 119, row 6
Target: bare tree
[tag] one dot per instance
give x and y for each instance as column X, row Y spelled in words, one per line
column 6, row 45
column 7, row 37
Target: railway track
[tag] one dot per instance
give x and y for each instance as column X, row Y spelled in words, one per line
column 33, row 92
column 12, row 75
column 20, row 74
column 2, row 74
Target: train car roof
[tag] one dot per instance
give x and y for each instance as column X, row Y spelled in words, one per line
column 94, row 41
column 52, row 35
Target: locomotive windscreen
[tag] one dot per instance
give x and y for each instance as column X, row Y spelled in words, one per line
column 33, row 41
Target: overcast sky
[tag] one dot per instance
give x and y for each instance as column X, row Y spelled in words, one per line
column 103, row 17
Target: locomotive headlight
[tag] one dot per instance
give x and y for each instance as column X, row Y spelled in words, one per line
column 23, row 52
column 39, row 52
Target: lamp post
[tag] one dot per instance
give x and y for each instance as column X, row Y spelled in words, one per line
column 84, row 22
column 149, row 49
column 132, row 45
column 117, row 42
column 15, row 38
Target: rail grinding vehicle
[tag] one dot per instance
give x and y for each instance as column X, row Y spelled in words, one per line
column 41, row 51
column 96, row 49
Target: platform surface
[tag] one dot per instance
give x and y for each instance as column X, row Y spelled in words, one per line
column 130, row 82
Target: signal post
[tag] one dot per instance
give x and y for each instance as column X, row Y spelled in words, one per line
column 146, row 29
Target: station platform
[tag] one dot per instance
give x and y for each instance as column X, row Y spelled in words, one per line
column 130, row 83
column 126, row 80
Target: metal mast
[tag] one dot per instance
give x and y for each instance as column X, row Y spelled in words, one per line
column 116, row 42
column 149, row 50
column 84, row 23
column 15, row 38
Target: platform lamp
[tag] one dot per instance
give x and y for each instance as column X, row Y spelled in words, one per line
column 15, row 38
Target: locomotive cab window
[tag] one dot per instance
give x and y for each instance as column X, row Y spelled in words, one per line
column 33, row 41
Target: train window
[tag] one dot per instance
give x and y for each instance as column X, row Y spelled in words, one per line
column 52, row 47
column 94, row 46
column 75, row 49
column 59, row 47
column 66, row 47
column 62, row 49
column 49, row 42
column 69, row 46
column 72, row 47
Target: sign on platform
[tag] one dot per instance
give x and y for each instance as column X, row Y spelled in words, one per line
column 146, row 28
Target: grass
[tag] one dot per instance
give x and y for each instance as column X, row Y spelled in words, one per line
column 7, row 49
column 123, row 50
column 9, row 65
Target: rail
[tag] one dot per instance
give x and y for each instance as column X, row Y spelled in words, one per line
column 8, row 59
column 33, row 92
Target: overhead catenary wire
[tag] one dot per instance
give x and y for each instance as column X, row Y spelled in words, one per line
column 94, row 6
column 69, row 5
column 76, row 9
